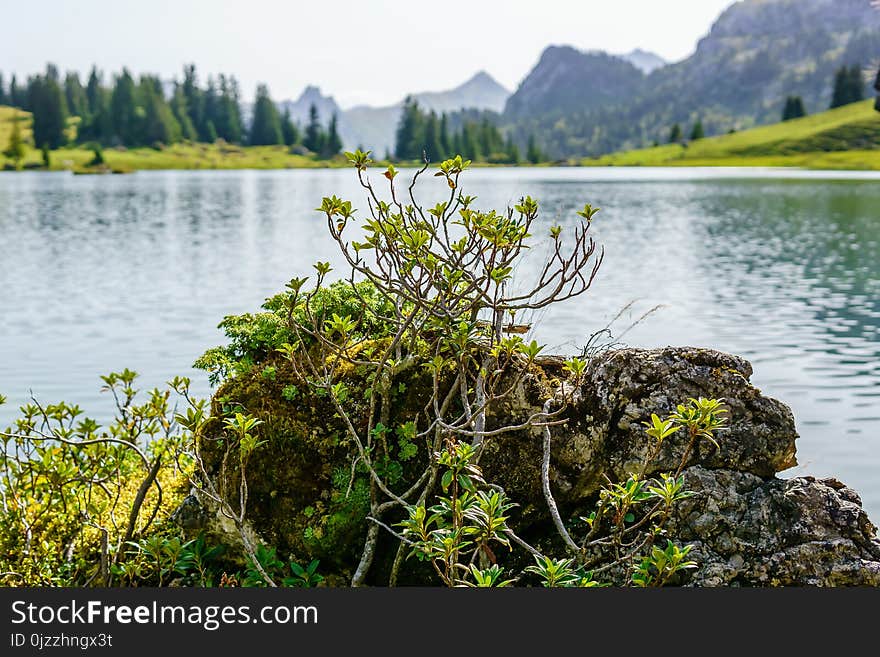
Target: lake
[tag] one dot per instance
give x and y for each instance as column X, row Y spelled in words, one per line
column 783, row 267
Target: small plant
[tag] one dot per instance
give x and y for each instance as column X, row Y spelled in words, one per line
column 458, row 532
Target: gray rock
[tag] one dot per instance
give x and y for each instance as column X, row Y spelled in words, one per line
column 751, row 531
column 747, row 527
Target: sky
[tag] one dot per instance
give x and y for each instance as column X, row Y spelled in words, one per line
column 367, row 52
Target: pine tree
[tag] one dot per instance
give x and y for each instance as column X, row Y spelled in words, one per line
column 94, row 92
column 856, row 84
column 3, row 100
column 125, row 110
column 227, row 117
column 266, row 124
column 839, row 93
column 470, row 141
column 794, row 108
column 433, row 147
column 15, row 150
column 210, row 132
column 410, row 136
column 533, row 153
column 159, row 124
column 697, row 131
column 877, row 89
column 314, row 137
column 99, row 126
column 849, row 86
column 445, row 141
column 289, row 131
column 47, row 159
column 210, row 106
column 194, row 101
column 16, row 98
column 333, row 143
column 75, row 94
column 46, row 102
column 181, row 113
column 675, row 134
column 512, row 151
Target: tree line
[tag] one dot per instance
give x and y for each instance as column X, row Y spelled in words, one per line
column 848, row 88
column 472, row 134
column 146, row 112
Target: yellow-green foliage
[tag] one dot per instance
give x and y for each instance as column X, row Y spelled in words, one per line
column 70, row 487
column 7, row 116
column 844, row 138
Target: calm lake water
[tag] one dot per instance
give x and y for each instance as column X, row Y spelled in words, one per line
column 783, row 267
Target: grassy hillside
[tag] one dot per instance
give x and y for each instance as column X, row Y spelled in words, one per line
column 843, row 138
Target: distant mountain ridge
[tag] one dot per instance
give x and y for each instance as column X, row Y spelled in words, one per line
column 756, row 53
column 646, row 62
column 373, row 128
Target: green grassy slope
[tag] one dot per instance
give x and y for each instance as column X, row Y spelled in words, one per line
column 843, row 138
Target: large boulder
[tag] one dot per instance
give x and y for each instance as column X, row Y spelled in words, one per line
column 747, row 526
column 605, row 433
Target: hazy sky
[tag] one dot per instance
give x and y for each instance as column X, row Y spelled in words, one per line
column 372, row 51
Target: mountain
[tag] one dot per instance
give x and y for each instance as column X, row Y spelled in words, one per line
column 482, row 91
column 756, row 53
column 646, row 62
column 567, row 80
column 299, row 108
column 374, row 127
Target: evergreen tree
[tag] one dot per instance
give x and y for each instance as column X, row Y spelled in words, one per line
column 839, row 93
column 125, row 111
column 289, row 131
column 445, row 141
column 314, row 137
column 849, row 86
column 697, row 131
column 675, row 134
column 159, row 124
column 227, row 114
column 47, row 160
column 877, row 89
column 210, row 107
column 856, row 84
column 266, row 124
column 512, row 151
column 15, row 149
column 46, row 101
column 75, row 95
column 333, row 142
column 794, row 108
column 16, row 98
column 194, row 101
column 3, row 100
column 410, row 135
column 470, row 141
column 433, row 146
column 99, row 126
column 210, row 132
column 533, row 153
column 181, row 113
column 94, row 92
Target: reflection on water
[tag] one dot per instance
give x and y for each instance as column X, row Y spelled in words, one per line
column 105, row 272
